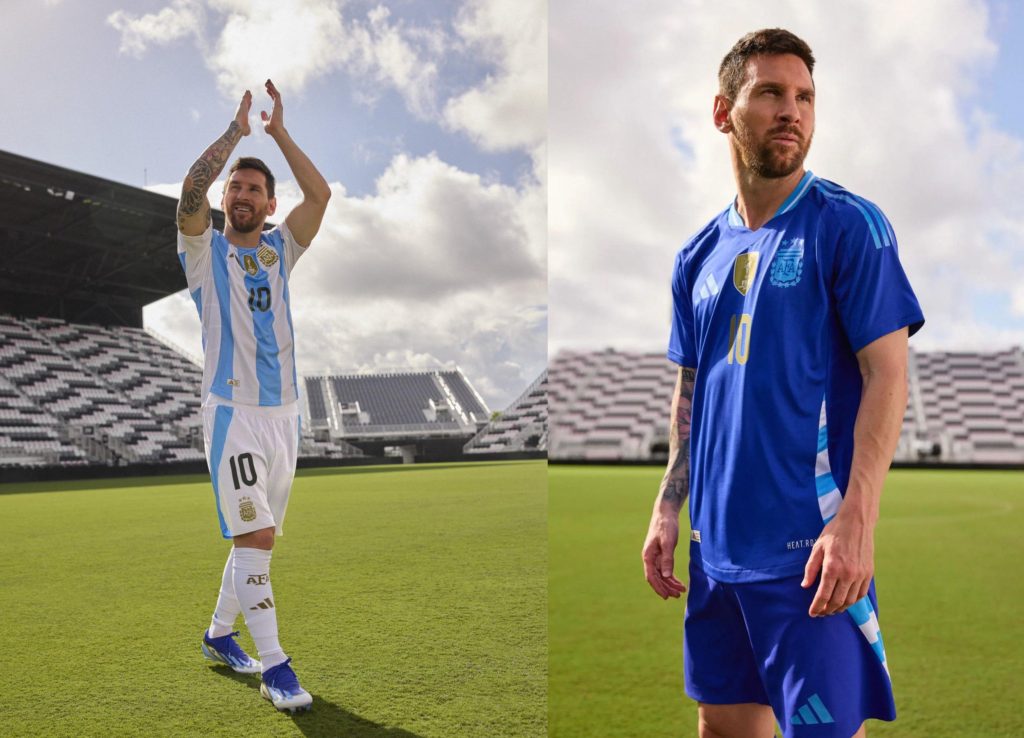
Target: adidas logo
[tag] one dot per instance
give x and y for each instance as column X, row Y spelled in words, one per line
column 264, row 605
column 709, row 288
column 812, row 713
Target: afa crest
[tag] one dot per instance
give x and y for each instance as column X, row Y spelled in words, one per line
column 246, row 510
column 788, row 264
column 266, row 255
column 744, row 270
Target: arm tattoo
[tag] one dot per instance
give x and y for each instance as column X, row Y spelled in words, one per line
column 676, row 485
column 203, row 173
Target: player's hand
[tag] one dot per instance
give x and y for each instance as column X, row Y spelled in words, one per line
column 844, row 554
column 658, row 556
column 273, row 123
column 242, row 114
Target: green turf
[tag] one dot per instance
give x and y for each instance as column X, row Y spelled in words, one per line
column 950, row 577
column 412, row 600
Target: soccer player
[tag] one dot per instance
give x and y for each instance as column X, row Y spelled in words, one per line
column 791, row 314
column 239, row 282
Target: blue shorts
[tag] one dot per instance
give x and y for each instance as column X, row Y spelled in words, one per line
column 755, row 642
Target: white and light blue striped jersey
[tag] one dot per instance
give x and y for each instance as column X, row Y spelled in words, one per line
column 245, row 310
column 772, row 320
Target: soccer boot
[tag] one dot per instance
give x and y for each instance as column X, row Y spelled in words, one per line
column 225, row 651
column 281, row 687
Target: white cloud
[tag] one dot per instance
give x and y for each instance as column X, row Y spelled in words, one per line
column 507, row 110
column 295, row 43
column 636, row 166
column 291, row 43
column 179, row 19
column 436, row 268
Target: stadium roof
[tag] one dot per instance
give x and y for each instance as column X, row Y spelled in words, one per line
column 83, row 248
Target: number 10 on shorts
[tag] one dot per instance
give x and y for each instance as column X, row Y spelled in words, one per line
column 244, row 468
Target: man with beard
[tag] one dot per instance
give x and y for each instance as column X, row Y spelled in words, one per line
column 239, row 282
column 791, row 314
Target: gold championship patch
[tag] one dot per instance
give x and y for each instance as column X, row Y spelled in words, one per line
column 250, row 265
column 744, row 270
column 266, row 255
column 246, row 510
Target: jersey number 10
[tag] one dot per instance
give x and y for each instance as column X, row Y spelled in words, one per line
column 259, row 299
column 739, row 338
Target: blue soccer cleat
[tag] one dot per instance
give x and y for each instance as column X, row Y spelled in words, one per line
column 225, row 651
column 281, row 687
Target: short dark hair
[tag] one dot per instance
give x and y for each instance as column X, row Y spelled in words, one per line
column 251, row 162
column 769, row 41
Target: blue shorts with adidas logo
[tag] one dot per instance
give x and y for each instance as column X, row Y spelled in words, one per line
column 755, row 642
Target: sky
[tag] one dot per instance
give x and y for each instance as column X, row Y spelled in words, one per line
column 428, row 119
column 918, row 109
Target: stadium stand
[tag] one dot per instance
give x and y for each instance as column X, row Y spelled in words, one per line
column 523, row 426
column 962, row 407
column 394, row 409
column 99, row 395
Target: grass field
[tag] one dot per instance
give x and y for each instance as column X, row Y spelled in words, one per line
column 412, row 600
column 950, row 578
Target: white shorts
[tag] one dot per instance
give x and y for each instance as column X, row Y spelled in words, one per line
column 251, row 453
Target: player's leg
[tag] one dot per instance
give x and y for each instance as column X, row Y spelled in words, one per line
column 227, row 610
column 218, row 642
column 720, row 669
column 749, row 720
column 280, row 685
column 825, row 676
column 255, row 594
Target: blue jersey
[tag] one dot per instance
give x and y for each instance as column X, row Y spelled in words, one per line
column 772, row 319
column 245, row 310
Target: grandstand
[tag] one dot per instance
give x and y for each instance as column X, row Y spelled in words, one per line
column 963, row 407
column 77, row 394
column 419, row 413
column 523, row 426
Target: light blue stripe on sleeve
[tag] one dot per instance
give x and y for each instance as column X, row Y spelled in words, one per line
column 824, row 484
column 847, row 198
column 221, row 423
column 876, row 221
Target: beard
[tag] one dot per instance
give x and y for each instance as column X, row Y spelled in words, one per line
column 246, row 223
column 766, row 158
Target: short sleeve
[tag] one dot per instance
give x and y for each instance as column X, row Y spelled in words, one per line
column 292, row 249
column 194, row 255
column 872, row 292
column 682, row 344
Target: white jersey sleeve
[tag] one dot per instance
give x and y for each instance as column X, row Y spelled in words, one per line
column 292, row 249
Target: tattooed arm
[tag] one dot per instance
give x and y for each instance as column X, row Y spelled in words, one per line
column 193, row 208
column 663, row 533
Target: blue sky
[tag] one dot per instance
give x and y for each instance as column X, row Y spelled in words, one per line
column 423, row 116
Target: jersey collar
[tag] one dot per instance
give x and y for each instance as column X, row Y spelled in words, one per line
column 790, row 202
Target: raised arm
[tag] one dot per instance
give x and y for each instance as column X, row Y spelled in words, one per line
column 663, row 533
column 193, row 207
column 305, row 218
column 845, row 551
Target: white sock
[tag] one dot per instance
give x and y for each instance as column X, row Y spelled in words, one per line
column 252, row 587
column 227, row 610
